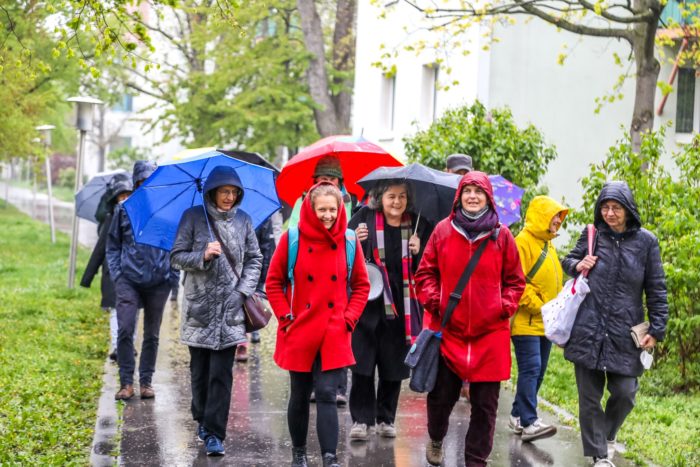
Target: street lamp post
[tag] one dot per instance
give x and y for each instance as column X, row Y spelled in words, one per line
column 45, row 131
column 85, row 112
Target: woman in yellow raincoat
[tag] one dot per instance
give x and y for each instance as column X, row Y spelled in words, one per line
column 544, row 277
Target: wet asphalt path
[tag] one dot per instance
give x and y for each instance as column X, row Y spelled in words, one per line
column 161, row 432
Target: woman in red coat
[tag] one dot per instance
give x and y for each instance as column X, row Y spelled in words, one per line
column 476, row 341
column 314, row 332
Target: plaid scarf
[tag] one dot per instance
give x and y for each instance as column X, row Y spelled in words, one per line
column 413, row 316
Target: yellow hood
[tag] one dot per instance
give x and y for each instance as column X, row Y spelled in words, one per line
column 539, row 215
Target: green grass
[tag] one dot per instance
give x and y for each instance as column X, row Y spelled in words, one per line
column 52, row 349
column 663, row 428
column 59, row 192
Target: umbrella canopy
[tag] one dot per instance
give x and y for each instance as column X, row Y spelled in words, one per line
column 509, row 197
column 357, row 157
column 250, row 157
column 156, row 207
column 435, row 191
column 88, row 197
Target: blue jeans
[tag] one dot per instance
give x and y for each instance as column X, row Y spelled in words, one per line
column 532, row 355
column 129, row 297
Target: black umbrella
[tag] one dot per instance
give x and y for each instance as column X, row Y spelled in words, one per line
column 434, row 191
column 257, row 159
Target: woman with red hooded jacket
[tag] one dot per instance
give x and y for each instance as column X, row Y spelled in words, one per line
column 475, row 344
column 317, row 316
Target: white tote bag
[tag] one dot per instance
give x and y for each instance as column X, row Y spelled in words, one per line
column 559, row 314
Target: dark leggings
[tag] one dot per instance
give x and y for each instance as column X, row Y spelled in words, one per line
column 325, row 384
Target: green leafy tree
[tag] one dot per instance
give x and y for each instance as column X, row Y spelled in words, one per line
column 124, row 158
column 669, row 208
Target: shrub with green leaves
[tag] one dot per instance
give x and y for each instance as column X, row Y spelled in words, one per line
column 493, row 140
column 670, row 208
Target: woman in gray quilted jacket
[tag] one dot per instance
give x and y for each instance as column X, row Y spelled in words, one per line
column 212, row 315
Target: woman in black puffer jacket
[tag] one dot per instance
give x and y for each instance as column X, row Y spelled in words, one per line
column 625, row 266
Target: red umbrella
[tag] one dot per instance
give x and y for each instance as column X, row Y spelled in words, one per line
column 357, row 157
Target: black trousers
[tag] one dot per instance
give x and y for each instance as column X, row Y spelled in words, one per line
column 368, row 405
column 484, row 407
column 325, row 385
column 129, row 297
column 598, row 425
column 211, row 372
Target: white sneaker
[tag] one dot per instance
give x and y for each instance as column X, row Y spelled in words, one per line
column 538, row 430
column 514, row 424
column 358, row 432
column 604, row 462
column 386, row 430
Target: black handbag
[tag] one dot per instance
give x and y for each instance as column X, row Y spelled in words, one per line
column 424, row 355
column 256, row 308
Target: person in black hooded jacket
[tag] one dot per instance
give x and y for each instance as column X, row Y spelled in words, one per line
column 625, row 267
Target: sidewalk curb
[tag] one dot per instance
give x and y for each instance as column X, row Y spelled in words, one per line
column 105, row 440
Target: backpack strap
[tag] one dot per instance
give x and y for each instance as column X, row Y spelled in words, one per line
column 350, row 248
column 536, row 267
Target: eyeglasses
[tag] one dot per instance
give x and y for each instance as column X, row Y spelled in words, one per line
column 227, row 193
column 614, row 209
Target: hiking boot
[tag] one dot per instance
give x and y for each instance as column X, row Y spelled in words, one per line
column 602, row 462
column 125, row 393
column 341, row 400
column 538, row 430
column 147, row 392
column 202, row 432
column 255, row 337
column 386, row 430
column 358, row 432
column 214, row 446
column 433, row 452
column 242, row 354
column 514, row 424
column 299, row 457
column 330, row 460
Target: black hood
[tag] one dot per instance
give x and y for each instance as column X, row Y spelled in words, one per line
column 223, row 175
column 143, row 170
column 618, row 191
column 119, row 184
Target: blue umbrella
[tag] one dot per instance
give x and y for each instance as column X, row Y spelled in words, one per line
column 156, row 207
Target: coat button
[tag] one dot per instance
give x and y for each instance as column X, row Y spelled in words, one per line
column 330, row 304
column 334, row 247
column 311, row 278
column 334, row 277
column 310, row 249
column 308, row 305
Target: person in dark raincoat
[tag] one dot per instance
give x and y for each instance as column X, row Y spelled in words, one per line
column 142, row 276
column 624, row 269
column 388, row 324
column 118, row 189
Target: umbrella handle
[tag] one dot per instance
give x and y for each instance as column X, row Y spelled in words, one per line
column 417, row 222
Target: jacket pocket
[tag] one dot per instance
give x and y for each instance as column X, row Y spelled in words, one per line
column 235, row 317
column 198, row 312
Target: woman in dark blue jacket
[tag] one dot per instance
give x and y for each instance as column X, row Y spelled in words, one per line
column 624, row 269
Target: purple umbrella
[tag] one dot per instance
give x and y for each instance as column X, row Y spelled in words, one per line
column 508, row 198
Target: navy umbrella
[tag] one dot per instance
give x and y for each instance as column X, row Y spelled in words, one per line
column 156, row 207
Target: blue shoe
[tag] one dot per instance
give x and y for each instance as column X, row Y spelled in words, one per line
column 214, row 446
column 202, row 432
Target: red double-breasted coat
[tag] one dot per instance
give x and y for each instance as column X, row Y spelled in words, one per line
column 323, row 314
column 476, row 340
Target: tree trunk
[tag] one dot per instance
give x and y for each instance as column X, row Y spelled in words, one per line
column 647, row 75
column 344, row 40
column 325, row 112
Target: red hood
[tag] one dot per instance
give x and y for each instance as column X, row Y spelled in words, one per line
column 479, row 179
column 312, row 228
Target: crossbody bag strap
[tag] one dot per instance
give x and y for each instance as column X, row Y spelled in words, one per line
column 540, row 261
column 224, row 248
column 456, row 295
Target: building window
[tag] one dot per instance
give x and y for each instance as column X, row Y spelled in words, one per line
column 685, row 105
column 126, row 104
column 428, row 94
column 386, row 102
